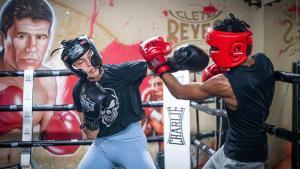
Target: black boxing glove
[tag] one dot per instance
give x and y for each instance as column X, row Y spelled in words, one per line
column 92, row 95
column 188, row 57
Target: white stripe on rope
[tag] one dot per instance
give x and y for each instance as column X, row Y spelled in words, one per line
column 27, row 116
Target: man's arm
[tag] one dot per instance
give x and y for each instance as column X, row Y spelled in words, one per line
column 217, row 86
column 184, row 91
column 153, row 50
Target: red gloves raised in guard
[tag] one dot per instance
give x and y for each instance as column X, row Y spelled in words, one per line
column 211, row 71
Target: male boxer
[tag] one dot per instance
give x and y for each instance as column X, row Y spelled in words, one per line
column 109, row 99
column 26, row 28
column 247, row 88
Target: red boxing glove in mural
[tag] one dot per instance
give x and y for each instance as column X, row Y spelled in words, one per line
column 63, row 126
column 10, row 120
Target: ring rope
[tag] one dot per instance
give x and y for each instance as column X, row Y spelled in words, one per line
column 37, row 73
column 203, row 147
column 279, row 75
column 4, row 108
column 44, row 107
column 43, row 143
column 287, row 77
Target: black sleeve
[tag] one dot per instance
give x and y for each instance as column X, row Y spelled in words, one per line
column 130, row 71
column 76, row 95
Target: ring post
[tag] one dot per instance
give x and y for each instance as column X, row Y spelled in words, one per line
column 177, row 127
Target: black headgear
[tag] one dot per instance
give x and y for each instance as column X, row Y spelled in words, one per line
column 74, row 49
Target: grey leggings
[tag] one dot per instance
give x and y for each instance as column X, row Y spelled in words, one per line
column 220, row 161
column 126, row 149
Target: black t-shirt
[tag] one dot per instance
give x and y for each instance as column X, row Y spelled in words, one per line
column 122, row 82
column 246, row 139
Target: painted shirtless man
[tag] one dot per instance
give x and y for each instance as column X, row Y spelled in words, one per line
column 25, row 36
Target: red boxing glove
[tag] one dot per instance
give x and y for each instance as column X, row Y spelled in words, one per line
column 10, row 120
column 63, row 126
column 211, row 71
column 154, row 51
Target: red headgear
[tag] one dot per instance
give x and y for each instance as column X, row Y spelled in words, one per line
column 229, row 49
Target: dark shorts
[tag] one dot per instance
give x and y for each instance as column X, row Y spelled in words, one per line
column 219, row 160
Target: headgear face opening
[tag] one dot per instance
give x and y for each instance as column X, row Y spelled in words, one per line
column 74, row 49
column 228, row 48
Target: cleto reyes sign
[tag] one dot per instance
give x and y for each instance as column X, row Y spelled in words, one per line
column 191, row 25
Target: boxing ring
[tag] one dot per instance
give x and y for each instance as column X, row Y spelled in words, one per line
column 27, row 143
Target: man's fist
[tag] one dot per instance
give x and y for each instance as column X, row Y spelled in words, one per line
column 211, row 71
column 154, row 51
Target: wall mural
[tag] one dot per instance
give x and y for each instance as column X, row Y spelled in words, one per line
column 291, row 24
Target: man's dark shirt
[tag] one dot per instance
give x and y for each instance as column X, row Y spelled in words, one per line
column 253, row 87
